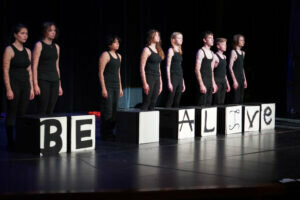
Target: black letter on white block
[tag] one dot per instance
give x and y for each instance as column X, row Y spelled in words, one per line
column 48, row 137
column 267, row 113
column 206, row 130
column 81, row 134
column 187, row 121
column 234, row 121
column 251, row 121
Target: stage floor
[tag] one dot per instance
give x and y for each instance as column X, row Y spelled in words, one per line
column 238, row 160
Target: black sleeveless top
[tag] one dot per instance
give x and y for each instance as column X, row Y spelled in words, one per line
column 111, row 72
column 206, row 71
column 220, row 70
column 238, row 68
column 19, row 64
column 176, row 64
column 47, row 63
column 152, row 64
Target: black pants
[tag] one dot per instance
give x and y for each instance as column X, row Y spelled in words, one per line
column 238, row 94
column 18, row 105
column 205, row 99
column 149, row 101
column 48, row 97
column 109, row 107
column 173, row 99
column 219, row 96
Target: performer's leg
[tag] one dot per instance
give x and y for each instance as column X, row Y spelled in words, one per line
column 54, row 89
column 155, row 92
column 43, row 98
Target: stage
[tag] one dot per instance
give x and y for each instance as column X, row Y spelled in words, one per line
column 247, row 165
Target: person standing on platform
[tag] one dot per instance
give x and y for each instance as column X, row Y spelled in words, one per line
column 204, row 71
column 110, row 81
column 175, row 79
column 236, row 67
column 46, row 72
column 17, row 78
column 220, row 68
column 150, row 71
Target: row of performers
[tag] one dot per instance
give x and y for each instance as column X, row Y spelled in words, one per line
column 26, row 79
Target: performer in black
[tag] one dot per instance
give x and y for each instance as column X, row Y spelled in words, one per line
column 110, row 81
column 46, row 73
column 17, row 77
column 175, row 79
column 236, row 67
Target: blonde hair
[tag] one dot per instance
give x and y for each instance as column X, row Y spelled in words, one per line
column 173, row 37
column 150, row 37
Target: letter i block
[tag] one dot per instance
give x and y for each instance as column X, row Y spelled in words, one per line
column 81, row 133
column 41, row 135
column 177, row 123
column 230, row 119
column 251, row 118
column 267, row 119
column 206, row 121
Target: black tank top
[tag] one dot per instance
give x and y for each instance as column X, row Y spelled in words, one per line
column 176, row 64
column 220, row 71
column 238, row 67
column 152, row 64
column 111, row 72
column 205, row 70
column 19, row 64
column 47, row 63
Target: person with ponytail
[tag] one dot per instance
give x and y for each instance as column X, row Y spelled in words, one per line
column 150, row 71
column 175, row 79
column 17, row 78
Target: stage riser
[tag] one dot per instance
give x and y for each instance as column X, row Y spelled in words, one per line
column 54, row 135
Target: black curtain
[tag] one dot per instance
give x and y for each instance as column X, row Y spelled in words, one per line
column 83, row 26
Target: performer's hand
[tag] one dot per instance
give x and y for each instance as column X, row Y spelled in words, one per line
column 228, row 88
column 235, row 85
column 146, row 89
column 121, row 92
column 183, row 88
column 215, row 88
column 10, row 95
column 37, row 90
column 170, row 86
column 160, row 88
column 31, row 97
column 203, row 89
column 104, row 94
column 60, row 91
column 245, row 84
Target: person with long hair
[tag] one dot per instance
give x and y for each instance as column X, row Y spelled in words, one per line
column 204, row 71
column 220, row 68
column 175, row 79
column 17, row 78
column 110, row 81
column 46, row 72
column 236, row 67
column 150, row 71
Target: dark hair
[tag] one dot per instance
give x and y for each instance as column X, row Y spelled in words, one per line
column 46, row 26
column 205, row 34
column 235, row 40
column 110, row 39
column 150, row 36
column 16, row 30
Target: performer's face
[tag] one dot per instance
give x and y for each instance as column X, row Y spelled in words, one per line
column 209, row 40
column 222, row 46
column 115, row 45
column 241, row 41
column 156, row 37
column 51, row 32
column 179, row 39
column 22, row 35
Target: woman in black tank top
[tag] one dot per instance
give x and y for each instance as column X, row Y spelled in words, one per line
column 236, row 67
column 175, row 79
column 111, row 86
column 220, row 68
column 17, row 79
column 46, row 73
column 204, row 71
column 150, row 71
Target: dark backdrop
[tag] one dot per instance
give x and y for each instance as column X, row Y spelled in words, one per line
column 84, row 24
